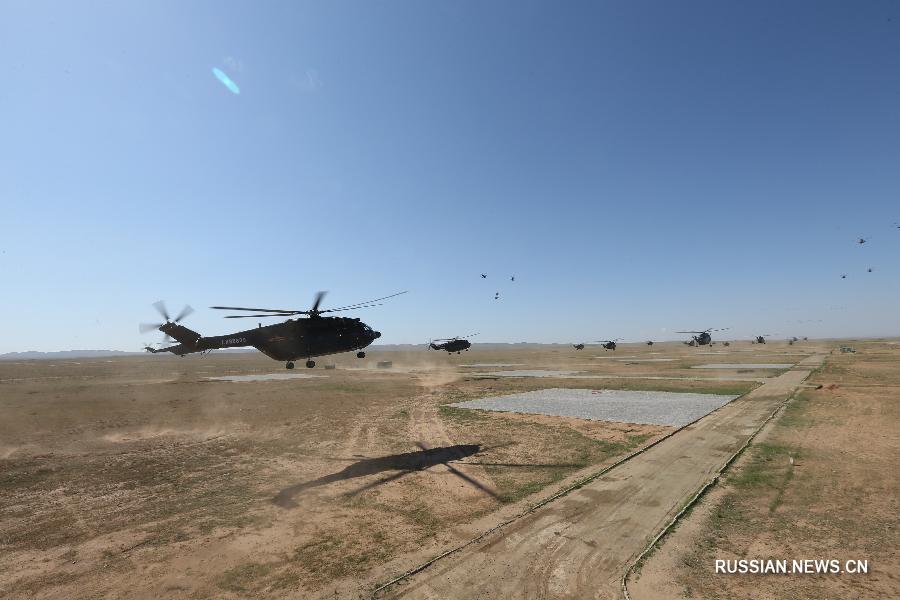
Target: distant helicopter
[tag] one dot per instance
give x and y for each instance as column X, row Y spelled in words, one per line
column 451, row 345
column 702, row 338
column 288, row 341
column 609, row 344
column 578, row 346
column 649, row 342
column 484, row 275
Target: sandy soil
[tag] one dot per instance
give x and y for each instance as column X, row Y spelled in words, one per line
column 819, row 483
column 139, row 477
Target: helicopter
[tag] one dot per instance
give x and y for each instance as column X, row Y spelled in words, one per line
column 451, row 345
column 703, row 338
column 288, row 341
column 649, row 342
column 609, row 344
column 578, row 346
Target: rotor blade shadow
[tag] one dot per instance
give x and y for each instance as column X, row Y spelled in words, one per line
column 406, row 462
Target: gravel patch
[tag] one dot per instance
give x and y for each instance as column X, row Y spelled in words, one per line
column 267, row 377
column 745, row 366
column 528, row 373
column 645, row 359
column 485, row 365
column 651, row 408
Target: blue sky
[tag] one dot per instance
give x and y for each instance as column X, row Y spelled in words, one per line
column 640, row 167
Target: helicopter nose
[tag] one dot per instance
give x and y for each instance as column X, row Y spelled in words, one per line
column 377, row 334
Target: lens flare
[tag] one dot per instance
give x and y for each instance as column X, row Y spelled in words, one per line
column 226, row 80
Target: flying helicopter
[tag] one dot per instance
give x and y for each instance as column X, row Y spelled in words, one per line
column 578, row 346
column 649, row 342
column 761, row 339
column 702, row 338
column 288, row 341
column 609, row 344
column 451, row 345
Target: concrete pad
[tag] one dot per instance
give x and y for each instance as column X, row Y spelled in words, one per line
column 656, row 408
column 529, row 373
column 266, row 377
column 645, row 359
column 745, row 366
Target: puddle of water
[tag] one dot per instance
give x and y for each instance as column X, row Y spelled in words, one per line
column 266, row 377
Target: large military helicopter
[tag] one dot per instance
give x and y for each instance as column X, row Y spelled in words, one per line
column 702, row 338
column 578, row 346
column 288, row 341
column 451, row 345
column 609, row 344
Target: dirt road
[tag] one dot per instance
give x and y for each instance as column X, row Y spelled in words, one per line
column 580, row 545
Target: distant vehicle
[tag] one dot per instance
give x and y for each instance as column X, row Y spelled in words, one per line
column 701, row 338
column 288, row 341
column 578, row 346
column 609, row 344
column 451, row 345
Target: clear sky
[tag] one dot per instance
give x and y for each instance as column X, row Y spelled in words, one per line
column 640, row 167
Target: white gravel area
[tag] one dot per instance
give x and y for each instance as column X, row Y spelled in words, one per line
column 486, row 365
column 528, row 373
column 645, row 359
column 266, row 377
column 645, row 407
column 745, row 366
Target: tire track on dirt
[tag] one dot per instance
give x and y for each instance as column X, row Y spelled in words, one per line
column 606, row 523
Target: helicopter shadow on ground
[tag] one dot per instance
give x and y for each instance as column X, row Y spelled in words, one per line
column 402, row 464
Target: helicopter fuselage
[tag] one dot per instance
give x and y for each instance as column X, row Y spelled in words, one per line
column 287, row 341
column 452, row 346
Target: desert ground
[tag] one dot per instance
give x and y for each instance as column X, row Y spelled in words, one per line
column 148, row 477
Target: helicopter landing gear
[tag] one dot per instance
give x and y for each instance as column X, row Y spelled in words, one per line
column 290, row 365
column 360, row 355
column 310, row 364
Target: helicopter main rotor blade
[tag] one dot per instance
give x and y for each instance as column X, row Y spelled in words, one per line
column 261, row 316
column 273, row 310
column 360, row 304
